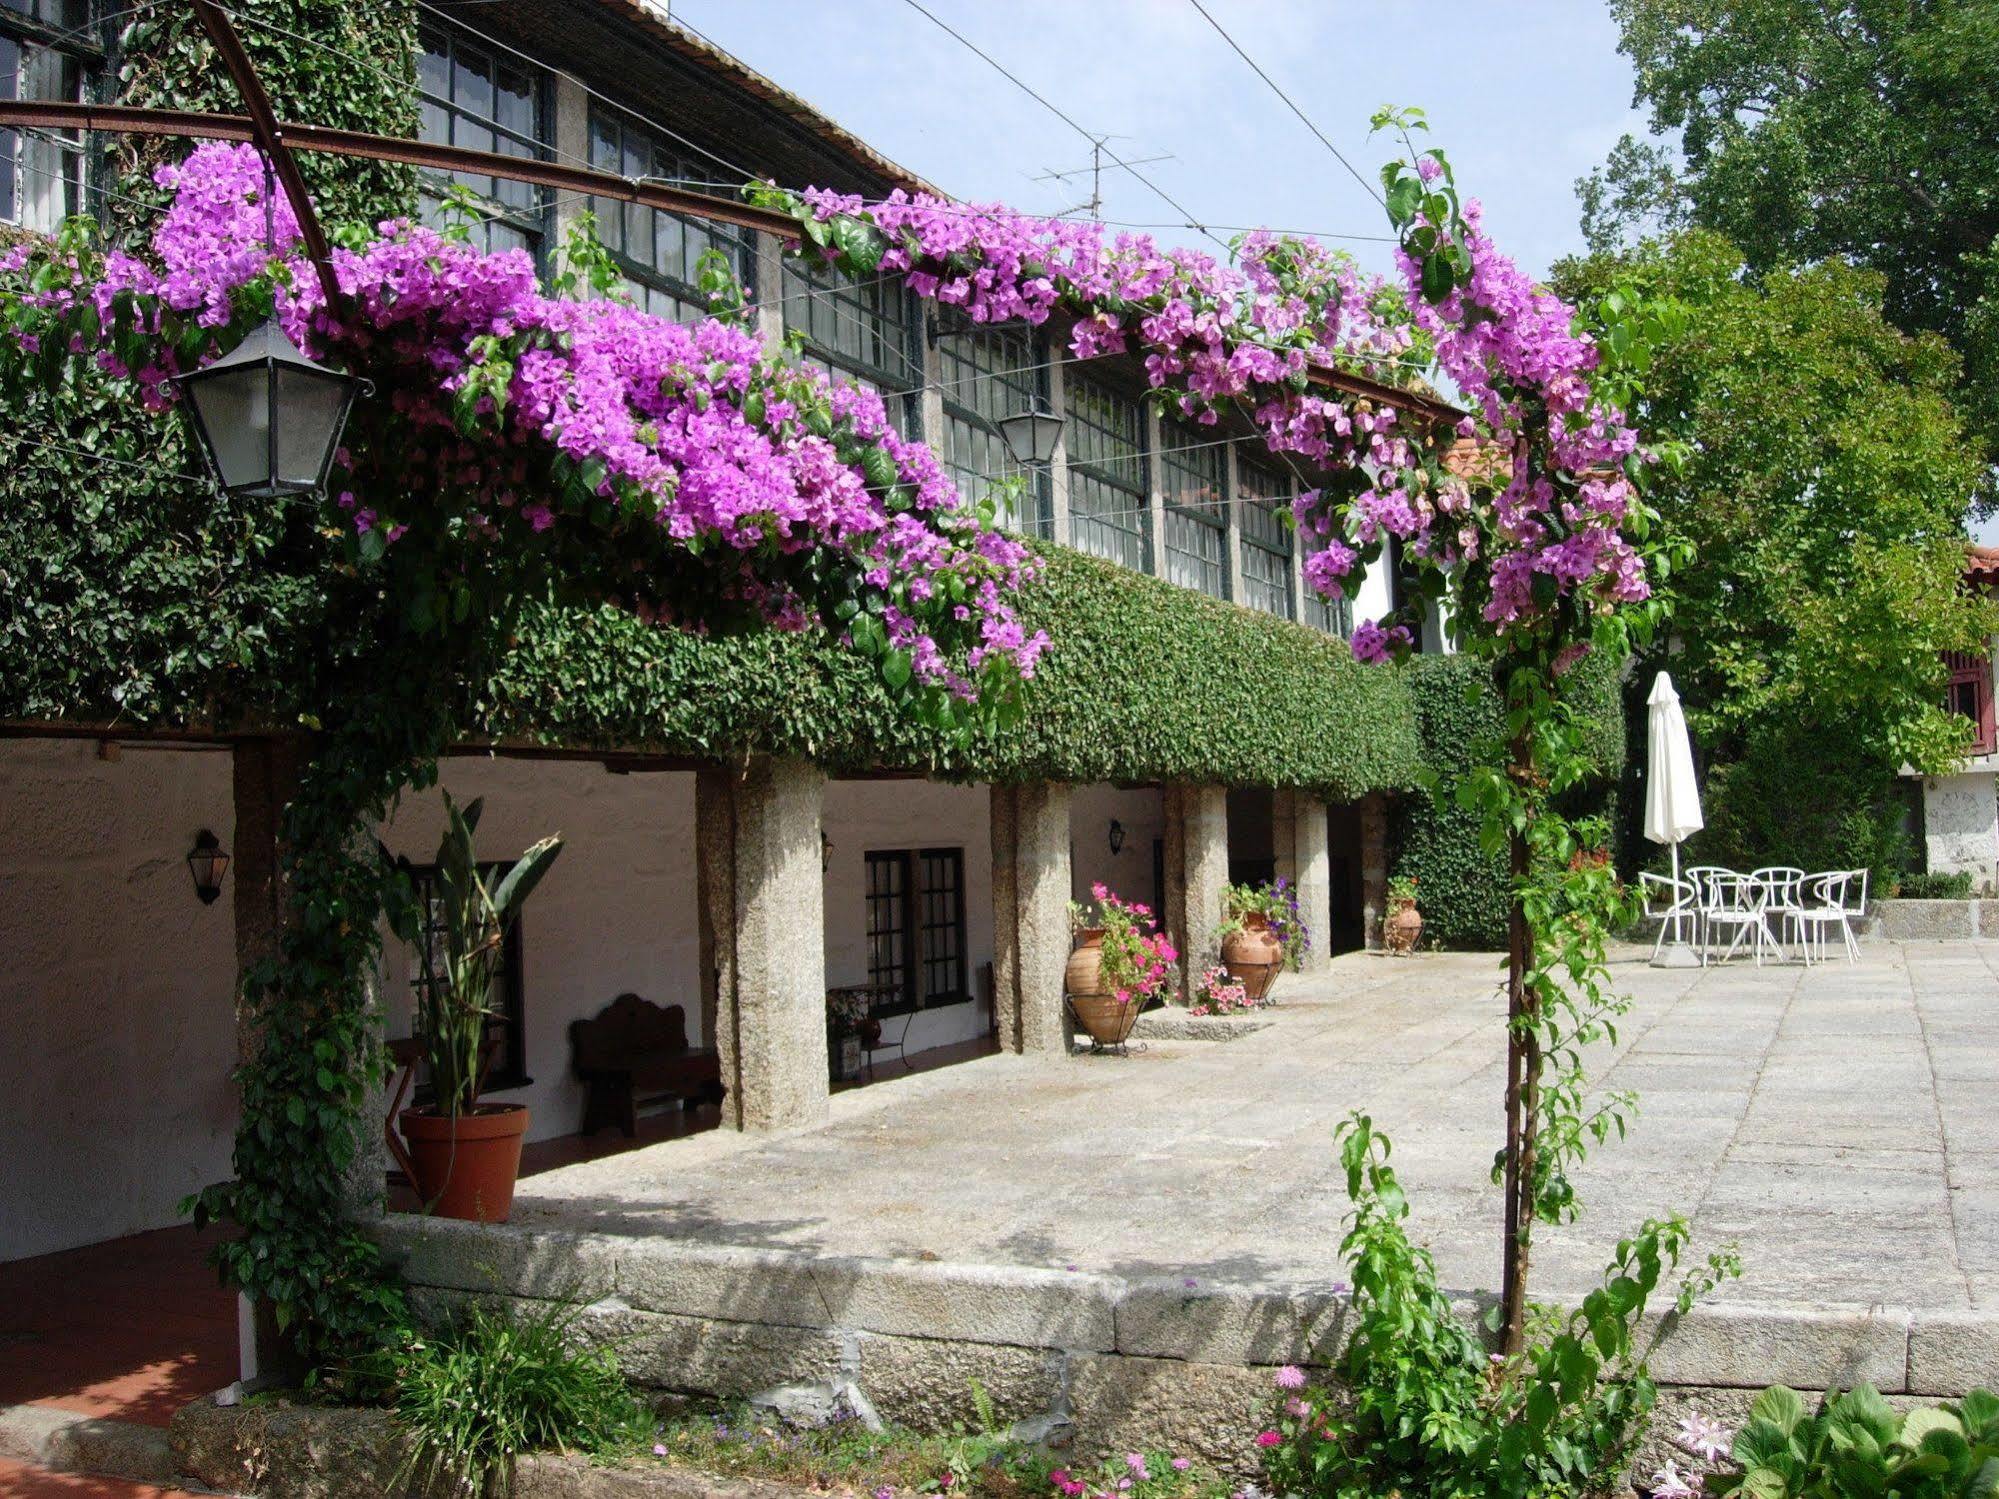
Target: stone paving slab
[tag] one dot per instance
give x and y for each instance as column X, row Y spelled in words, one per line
column 1836, row 1123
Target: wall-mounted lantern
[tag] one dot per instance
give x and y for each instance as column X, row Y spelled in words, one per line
column 1031, row 436
column 270, row 419
column 1117, row 837
column 825, row 851
column 207, row 861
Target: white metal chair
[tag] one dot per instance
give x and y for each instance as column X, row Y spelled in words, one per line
column 1671, row 903
column 1738, row 902
column 1784, row 898
column 1700, row 879
column 1826, row 898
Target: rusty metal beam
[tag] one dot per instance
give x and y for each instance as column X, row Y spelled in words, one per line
column 132, row 120
column 270, row 138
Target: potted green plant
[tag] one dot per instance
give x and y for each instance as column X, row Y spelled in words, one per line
column 1402, row 927
column 462, row 1156
column 1262, row 933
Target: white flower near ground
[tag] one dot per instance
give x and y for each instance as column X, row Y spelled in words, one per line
column 1670, row 1483
column 1705, row 1437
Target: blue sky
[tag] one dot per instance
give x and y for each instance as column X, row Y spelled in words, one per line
column 1525, row 95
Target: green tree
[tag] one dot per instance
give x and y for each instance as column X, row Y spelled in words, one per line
column 1812, row 129
column 1820, row 471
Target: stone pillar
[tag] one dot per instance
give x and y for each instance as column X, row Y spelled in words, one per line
column 1058, row 469
column 572, row 143
column 1373, row 867
column 1155, row 500
column 1298, row 828
column 1197, row 868
column 768, row 291
column 762, row 939
column 1030, row 829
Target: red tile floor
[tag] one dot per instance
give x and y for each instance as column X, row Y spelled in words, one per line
column 131, row 1329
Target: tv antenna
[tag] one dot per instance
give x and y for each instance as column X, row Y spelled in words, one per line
column 1095, row 206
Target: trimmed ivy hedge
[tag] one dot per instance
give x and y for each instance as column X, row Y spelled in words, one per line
column 1462, row 892
column 1146, row 681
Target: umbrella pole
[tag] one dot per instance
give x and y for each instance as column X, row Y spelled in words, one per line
column 1678, row 938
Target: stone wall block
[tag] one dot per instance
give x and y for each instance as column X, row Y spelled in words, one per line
column 708, row 1356
column 1165, row 1318
column 926, row 1384
column 1807, row 1348
column 496, row 1258
column 1208, row 1412
column 735, row 1284
column 985, row 1304
column 1952, row 1352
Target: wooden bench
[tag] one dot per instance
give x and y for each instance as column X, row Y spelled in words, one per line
column 633, row 1047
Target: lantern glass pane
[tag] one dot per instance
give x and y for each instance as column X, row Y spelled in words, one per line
column 309, row 408
column 235, row 409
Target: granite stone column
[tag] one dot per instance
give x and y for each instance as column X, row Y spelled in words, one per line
column 762, row 939
column 1298, row 828
column 1030, row 915
column 1197, row 870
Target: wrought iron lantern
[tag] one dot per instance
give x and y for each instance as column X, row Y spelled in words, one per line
column 1117, row 837
column 270, row 419
column 1031, row 436
column 207, row 861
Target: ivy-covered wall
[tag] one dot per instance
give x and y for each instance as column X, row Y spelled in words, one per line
column 1145, row 681
column 1462, row 892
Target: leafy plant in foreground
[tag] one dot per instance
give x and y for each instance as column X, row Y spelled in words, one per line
column 1856, row 1447
column 493, row 1385
column 1426, row 1411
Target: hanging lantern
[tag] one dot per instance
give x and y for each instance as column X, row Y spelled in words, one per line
column 207, row 861
column 270, row 419
column 1031, row 436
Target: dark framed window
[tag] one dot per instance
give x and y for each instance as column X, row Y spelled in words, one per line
column 1969, row 695
column 1193, row 474
column 860, row 330
column 47, row 52
column 1109, row 500
column 989, row 373
column 474, row 96
column 1263, row 496
column 506, row 1027
column 916, row 925
column 659, row 252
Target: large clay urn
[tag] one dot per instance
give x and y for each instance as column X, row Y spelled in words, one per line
column 1253, row 955
column 1403, row 928
column 1084, row 976
column 466, row 1167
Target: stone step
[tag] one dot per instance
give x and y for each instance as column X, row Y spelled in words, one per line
column 45, row 1438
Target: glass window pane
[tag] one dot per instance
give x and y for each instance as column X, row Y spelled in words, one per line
column 1109, row 507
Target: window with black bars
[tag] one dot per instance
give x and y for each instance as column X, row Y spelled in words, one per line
column 47, row 53
column 1263, row 495
column 1193, row 476
column 916, row 925
column 660, row 252
column 1109, row 510
column 989, row 373
column 475, row 97
column 859, row 330
column 506, row 1026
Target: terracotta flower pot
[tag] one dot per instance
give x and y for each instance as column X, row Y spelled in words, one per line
column 1254, row 956
column 1403, row 928
column 1084, row 975
column 1107, row 1021
column 466, row 1167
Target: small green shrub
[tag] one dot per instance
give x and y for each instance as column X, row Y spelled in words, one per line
column 1955, row 886
column 1425, row 1409
column 1856, row 1447
column 495, row 1384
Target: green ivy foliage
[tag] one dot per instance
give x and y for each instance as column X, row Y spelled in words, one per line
column 1463, row 892
column 1146, row 681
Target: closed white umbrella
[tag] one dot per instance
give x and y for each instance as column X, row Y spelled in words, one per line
column 1672, row 800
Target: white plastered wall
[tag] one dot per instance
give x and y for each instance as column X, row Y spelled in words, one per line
column 117, row 996
column 1129, row 872
column 1961, row 827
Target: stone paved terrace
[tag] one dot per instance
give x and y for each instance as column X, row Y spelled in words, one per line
column 1836, row 1122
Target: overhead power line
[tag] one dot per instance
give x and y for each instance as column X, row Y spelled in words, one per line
column 1324, row 139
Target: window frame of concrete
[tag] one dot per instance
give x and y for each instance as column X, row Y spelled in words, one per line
column 1265, row 500
column 529, row 219
column 806, row 284
column 968, row 377
column 912, row 925
column 632, row 142
column 57, row 34
column 1195, row 520
column 1090, row 441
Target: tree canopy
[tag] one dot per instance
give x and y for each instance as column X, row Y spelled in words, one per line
column 1809, row 129
column 1820, row 471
